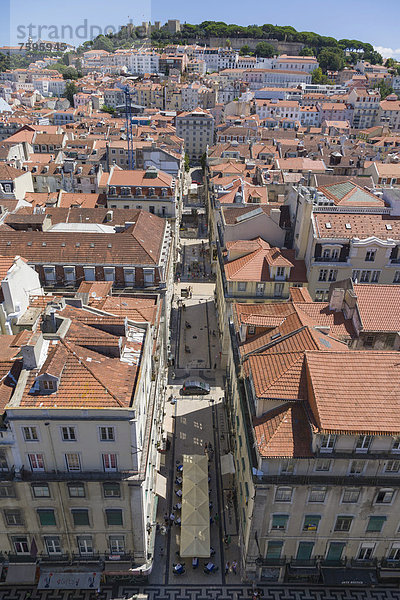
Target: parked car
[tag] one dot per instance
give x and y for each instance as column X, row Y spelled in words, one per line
column 194, row 387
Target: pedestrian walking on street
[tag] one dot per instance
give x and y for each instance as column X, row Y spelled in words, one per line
column 227, row 567
column 234, row 567
column 166, row 518
column 216, row 518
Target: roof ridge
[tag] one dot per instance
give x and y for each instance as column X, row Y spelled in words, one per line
column 285, row 371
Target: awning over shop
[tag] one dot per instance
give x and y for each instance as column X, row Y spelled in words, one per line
column 349, row 577
column 195, row 515
column 195, row 541
column 53, row 580
column 21, row 573
column 161, row 486
column 227, row 464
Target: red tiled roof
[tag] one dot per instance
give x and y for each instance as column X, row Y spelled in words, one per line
column 284, row 432
column 355, row 392
column 379, row 307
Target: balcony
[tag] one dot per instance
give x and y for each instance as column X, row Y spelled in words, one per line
column 327, row 562
column 54, row 558
column 387, row 563
column 369, row 563
column 270, row 562
column 306, row 563
column 74, row 476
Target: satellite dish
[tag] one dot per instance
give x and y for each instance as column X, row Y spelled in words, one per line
column 93, row 294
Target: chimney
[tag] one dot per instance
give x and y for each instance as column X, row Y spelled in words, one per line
column 32, row 350
column 336, row 300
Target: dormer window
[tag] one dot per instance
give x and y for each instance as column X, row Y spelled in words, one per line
column 48, row 384
column 113, row 191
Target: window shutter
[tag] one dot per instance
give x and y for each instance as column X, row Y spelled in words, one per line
column 81, row 517
column 114, row 516
column 46, row 517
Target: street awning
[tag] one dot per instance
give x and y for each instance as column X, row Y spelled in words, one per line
column 227, row 464
column 195, row 541
column 349, row 577
column 195, row 515
column 21, row 573
column 161, row 486
column 53, row 580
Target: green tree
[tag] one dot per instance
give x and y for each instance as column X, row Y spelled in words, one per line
column 331, row 59
column 319, row 78
column 245, row 50
column 70, row 90
column 384, row 88
column 390, row 63
column 187, row 163
column 264, row 50
column 108, row 109
column 103, row 43
column 203, row 161
column 307, row 51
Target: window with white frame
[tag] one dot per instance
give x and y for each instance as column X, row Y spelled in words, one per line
column 53, row 545
column 49, row 274
column 363, row 443
column 327, row 442
column 356, row 467
column 148, row 276
column 85, row 545
column 396, row 278
column 365, row 276
column 283, row 494
column 30, row 434
column 343, row 523
column 332, row 275
column 117, row 544
column 76, row 490
column 323, row 273
column 73, row 461
column 21, row 545
column 129, row 275
column 110, row 462
column 392, row 466
column 396, row 445
column 41, row 490
column 90, row 273
column 13, row 516
column 366, row 551
column 323, row 464
column 36, row 462
column 109, row 273
column 68, row 434
column 106, row 434
column 394, row 552
column 384, row 496
column 355, row 275
column 350, row 495
column 370, row 255
column 69, row 274
column 287, row 466
column 375, row 276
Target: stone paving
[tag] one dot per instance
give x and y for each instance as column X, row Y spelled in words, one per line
column 191, row 591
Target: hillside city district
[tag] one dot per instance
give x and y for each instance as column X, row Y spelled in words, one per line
column 200, row 317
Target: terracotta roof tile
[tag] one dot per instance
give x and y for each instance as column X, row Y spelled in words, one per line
column 355, row 392
column 379, row 306
column 284, row 432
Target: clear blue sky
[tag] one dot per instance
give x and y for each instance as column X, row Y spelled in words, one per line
column 367, row 20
